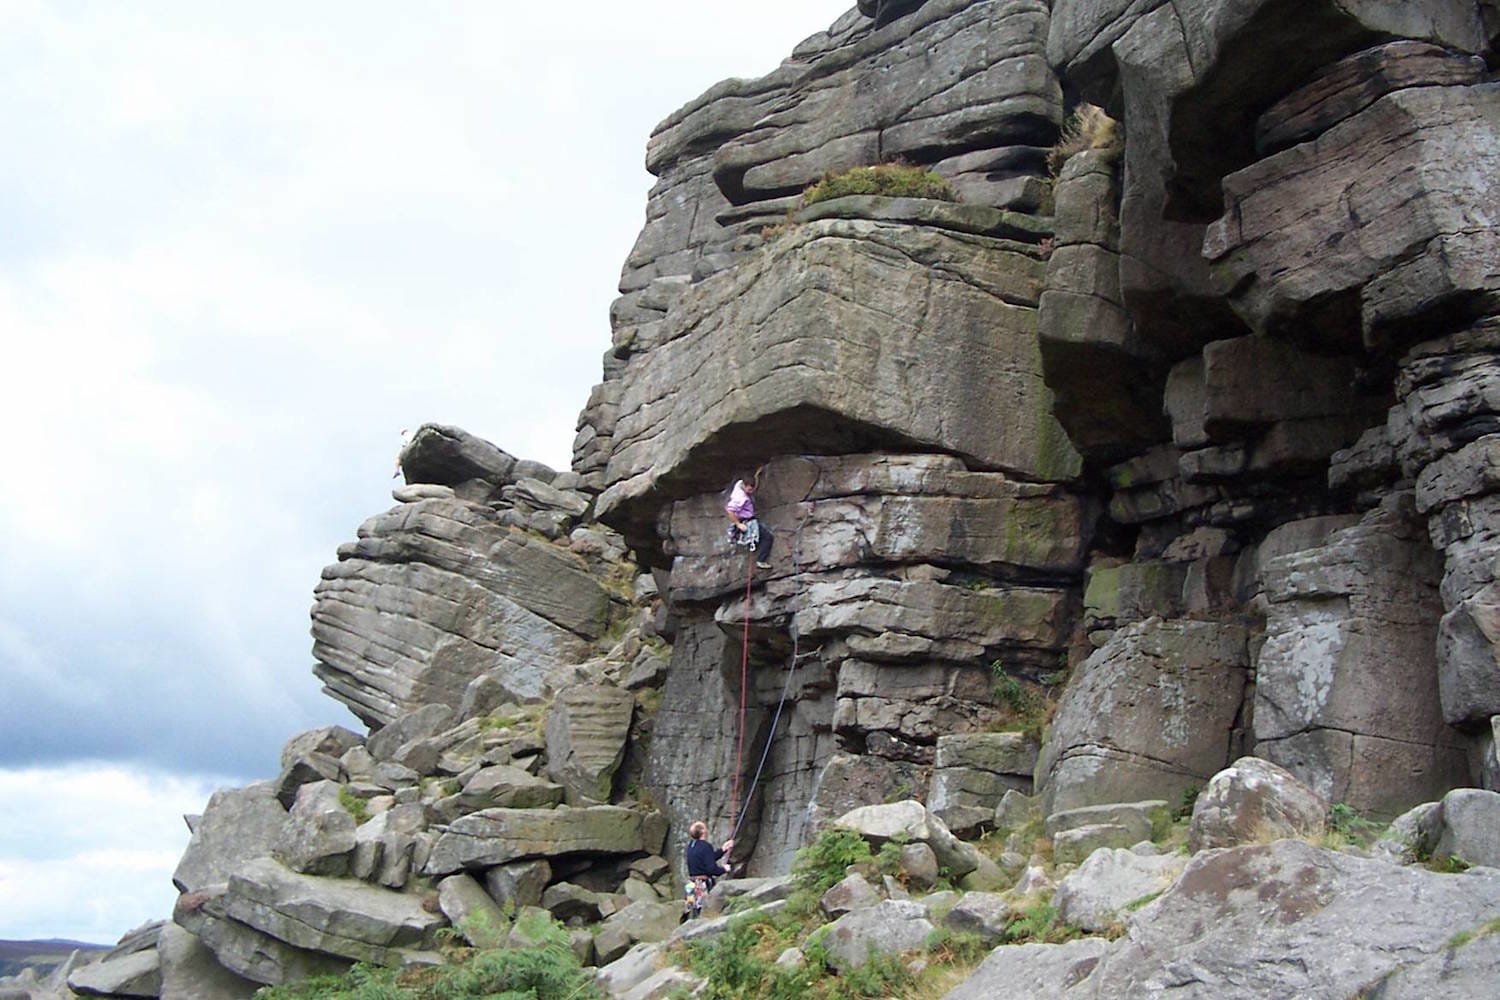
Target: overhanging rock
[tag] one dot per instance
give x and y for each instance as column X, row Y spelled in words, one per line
column 843, row 334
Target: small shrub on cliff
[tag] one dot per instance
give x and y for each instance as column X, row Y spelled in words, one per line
column 893, row 180
column 1088, row 127
column 1028, row 709
column 354, row 805
column 1349, row 827
column 820, row 865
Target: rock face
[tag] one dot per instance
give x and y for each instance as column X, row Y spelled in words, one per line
column 1148, row 716
column 442, row 590
column 1346, row 685
column 586, row 732
column 1170, row 443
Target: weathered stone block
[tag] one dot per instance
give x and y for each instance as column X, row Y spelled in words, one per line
column 1147, row 716
column 587, row 727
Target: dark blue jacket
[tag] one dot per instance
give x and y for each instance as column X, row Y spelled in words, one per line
column 702, row 859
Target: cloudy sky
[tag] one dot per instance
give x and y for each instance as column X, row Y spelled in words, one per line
column 241, row 247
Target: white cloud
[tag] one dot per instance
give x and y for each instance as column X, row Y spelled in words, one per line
column 244, row 246
column 87, row 852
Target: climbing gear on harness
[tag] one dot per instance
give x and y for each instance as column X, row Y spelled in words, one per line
column 745, row 535
column 697, row 891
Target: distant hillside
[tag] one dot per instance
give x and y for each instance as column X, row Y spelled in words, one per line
column 39, row 955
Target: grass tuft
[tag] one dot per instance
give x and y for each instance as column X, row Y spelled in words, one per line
column 893, row 180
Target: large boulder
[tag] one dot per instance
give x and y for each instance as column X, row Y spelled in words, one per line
column 587, row 727
column 496, row 836
column 1148, row 715
column 190, row 971
column 972, row 772
column 1101, row 892
column 245, row 951
column 1289, row 919
column 318, row 837
column 1251, row 801
column 336, row 916
column 888, row 928
column 472, row 911
column 502, row 785
column 1032, row 971
column 131, row 970
column 911, row 822
column 1470, row 827
column 518, row 884
column 437, row 592
column 237, row 824
column 451, row 456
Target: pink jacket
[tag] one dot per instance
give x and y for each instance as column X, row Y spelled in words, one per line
column 741, row 504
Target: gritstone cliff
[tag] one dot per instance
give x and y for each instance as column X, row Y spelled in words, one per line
column 1159, row 461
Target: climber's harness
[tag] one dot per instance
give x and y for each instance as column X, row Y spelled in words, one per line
column 745, row 535
column 697, row 891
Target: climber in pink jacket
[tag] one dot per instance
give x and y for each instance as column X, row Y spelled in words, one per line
column 747, row 529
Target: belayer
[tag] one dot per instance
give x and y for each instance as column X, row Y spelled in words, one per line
column 704, row 866
column 747, row 531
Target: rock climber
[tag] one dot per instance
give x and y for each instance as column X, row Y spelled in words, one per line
column 406, row 437
column 747, row 529
column 704, row 866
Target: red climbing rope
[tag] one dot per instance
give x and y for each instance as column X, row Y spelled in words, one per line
column 739, row 751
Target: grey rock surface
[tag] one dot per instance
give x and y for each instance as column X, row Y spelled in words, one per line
column 1351, row 623
column 854, row 892
column 237, row 824
column 1289, row 919
column 587, row 728
column 519, row 883
column 472, row 911
column 888, row 928
column 318, row 837
column 1470, row 827
column 189, row 970
column 495, row 836
column 667, row 420
column 911, row 822
column 1032, row 971
column 450, row 456
column 1252, row 801
column 1101, row 892
column 245, row 951
column 1146, row 716
column 986, row 914
column 137, row 974
column 337, row 916
column 435, row 593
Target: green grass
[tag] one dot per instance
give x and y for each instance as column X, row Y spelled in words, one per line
column 354, row 805
column 1039, row 923
column 546, row 971
column 1353, row 828
column 892, row 180
column 1485, row 929
column 1027, row 709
